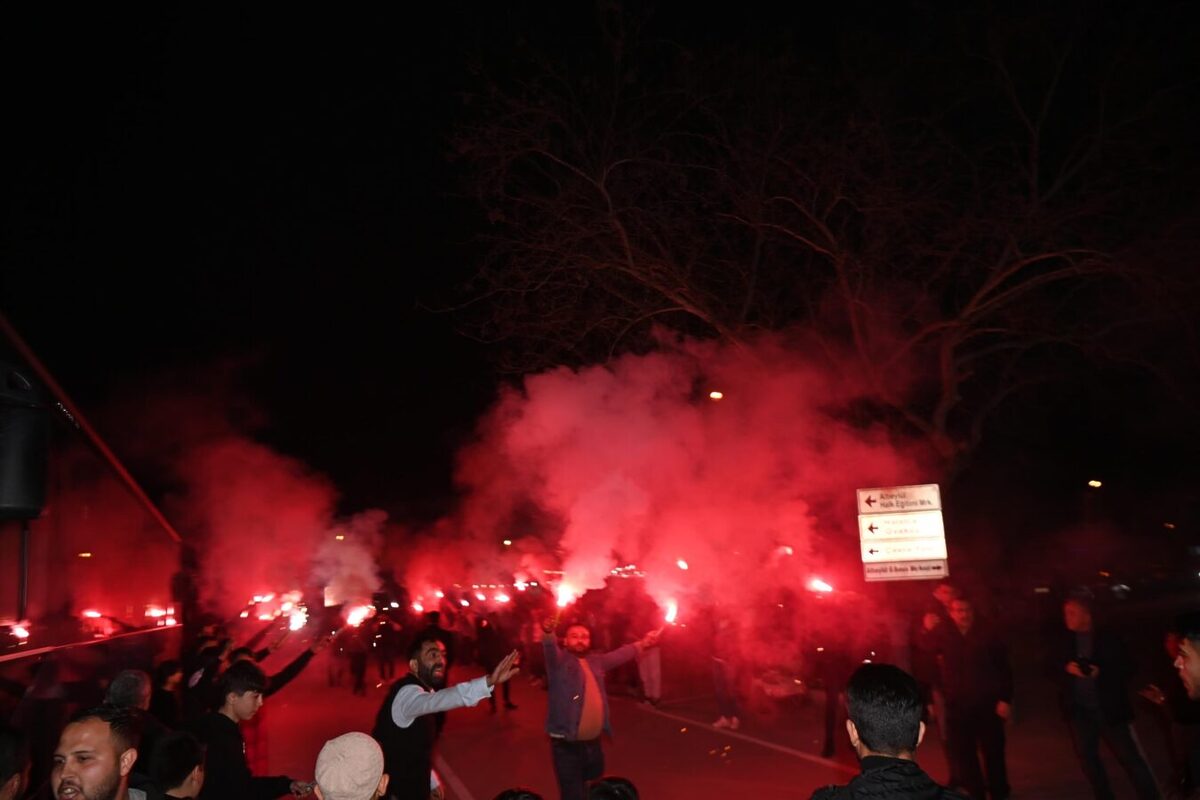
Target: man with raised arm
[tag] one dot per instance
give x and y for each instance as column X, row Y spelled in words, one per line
column 406, row 727
column 578, row 710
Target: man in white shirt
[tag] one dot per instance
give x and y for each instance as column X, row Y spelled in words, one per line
column 405, row 726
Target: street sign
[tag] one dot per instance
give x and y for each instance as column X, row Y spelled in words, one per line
column 901, row 534
column 892, row 499
column 915, row 525
column 903, row 550
column 906, row 570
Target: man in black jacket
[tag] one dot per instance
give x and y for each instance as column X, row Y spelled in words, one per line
column 976, row 679
column 227, row 775
column 885, row 729
column 1093, row 671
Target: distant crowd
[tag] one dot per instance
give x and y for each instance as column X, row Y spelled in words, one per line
column 193, row 727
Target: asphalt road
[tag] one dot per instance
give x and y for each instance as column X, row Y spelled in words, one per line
column 669, row 752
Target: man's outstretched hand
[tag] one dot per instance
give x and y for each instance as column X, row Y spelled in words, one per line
column 505, row 669
column 650, row 639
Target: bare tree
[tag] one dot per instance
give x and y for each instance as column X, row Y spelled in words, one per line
column 947, row 247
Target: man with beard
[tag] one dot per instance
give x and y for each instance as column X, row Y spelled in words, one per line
column 405, row 726
column 1187, row 662
column 578, row 711
column 976, row 677
column 95, row 755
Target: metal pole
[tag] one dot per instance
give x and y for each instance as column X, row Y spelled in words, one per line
column 81, row 422
column 23, row 577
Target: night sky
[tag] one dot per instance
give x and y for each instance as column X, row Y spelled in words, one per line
column 186, row 186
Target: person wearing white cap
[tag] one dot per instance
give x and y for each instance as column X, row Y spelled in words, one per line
column 350, row 767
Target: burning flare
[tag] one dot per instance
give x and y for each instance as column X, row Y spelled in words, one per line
column 818, row 585
column 357, row 615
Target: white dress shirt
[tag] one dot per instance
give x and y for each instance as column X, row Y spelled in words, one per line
column 414, row 701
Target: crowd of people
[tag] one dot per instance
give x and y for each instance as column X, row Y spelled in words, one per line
column 192, row 727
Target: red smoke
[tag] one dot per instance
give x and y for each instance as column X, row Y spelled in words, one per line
column 262, row 522
column 636, row 463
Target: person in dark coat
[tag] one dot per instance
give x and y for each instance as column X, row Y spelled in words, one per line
column 494, row 645
column 164, row 700
column 406, row 726
column 885, row 705
column 227, row 775
column 1177, row 716
column 1093, row 669
column 976, row 678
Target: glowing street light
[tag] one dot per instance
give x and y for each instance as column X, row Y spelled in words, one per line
column 1095, row 484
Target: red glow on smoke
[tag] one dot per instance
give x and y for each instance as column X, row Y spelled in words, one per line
column 603, row 475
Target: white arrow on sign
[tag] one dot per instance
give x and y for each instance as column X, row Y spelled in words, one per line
column 913, row 525
column 903, row 550
column 894, row 499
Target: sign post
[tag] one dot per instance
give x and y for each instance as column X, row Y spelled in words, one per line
column 900, row 533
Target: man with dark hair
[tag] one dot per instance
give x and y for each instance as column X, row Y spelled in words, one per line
column 578, row 703
column 254, row 731
column 405, row 726
column 976, row 679
column 612, row 788
column 1093, row 670
column 433, row 630
column 178, row 766
column 132, row 689
column 95, row 755
column 1187, row 662
column 227, row 775
column 14, row 763
column 885, row 728
column 164, row 698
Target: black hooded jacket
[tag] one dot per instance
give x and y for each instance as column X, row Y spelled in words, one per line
column 891, row 778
